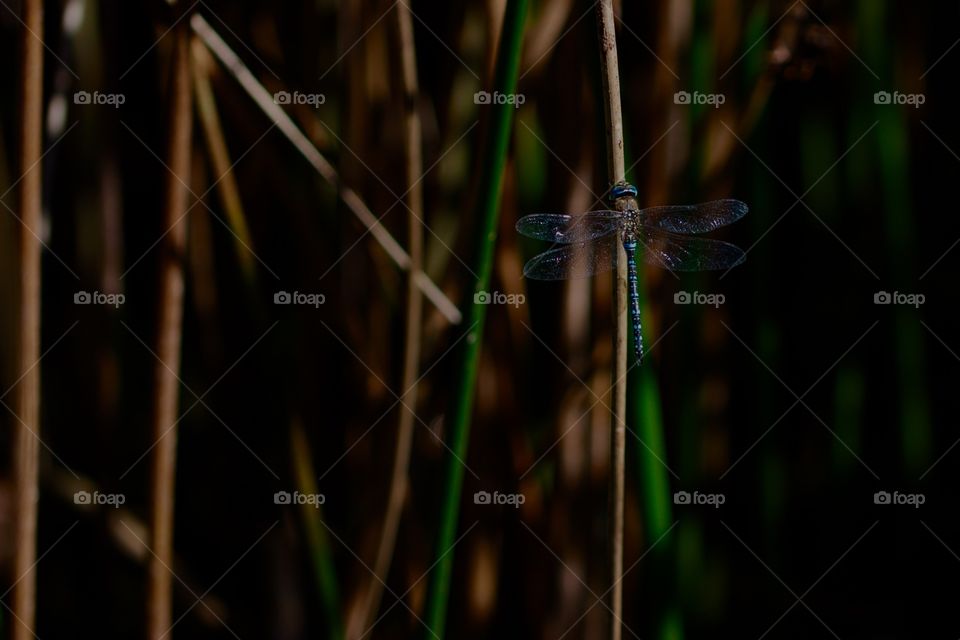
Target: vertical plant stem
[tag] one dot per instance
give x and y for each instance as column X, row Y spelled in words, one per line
column 411, row 359
column 615, row 167
column 169, row 334
column 27, row 398
column 490, row 182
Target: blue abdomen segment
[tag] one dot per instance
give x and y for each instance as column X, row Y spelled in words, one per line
column 630, row 246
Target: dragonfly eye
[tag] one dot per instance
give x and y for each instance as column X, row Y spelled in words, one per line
column 622, row 189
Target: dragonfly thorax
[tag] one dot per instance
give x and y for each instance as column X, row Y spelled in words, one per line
column 630, row 223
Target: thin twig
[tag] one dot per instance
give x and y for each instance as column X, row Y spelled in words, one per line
column 615, row 166
column 411, row 359
column 128, row 534
column 169, row 336
column 201, row 65
column 265, row 101
column 26, row 449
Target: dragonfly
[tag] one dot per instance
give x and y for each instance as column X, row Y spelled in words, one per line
column 657, row 235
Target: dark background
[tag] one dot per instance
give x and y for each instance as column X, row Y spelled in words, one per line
column 877, row 382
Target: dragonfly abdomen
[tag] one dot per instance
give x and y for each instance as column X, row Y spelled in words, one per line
column 630, row 246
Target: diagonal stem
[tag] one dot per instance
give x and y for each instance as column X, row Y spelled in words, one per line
column 286, row 126
column 490, row 182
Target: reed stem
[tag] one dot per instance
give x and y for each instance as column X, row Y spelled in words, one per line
column 613, row 119
column 169, row 337
column 26, row 449
column 399, row 482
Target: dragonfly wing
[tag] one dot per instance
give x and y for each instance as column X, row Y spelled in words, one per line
column 694, row 218
column 577, row 260
column 566, row 229
column 680, row 253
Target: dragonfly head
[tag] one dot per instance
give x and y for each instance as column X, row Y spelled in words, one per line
column 621, row 190
column 623, row 196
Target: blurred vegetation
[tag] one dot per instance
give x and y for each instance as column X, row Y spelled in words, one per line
column 797, row 399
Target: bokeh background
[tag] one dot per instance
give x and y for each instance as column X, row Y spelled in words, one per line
column 795, row 399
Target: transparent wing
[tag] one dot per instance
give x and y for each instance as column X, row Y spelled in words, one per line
column 682, row 253
column 566, row 229
column 694, row 218
column 577, row 260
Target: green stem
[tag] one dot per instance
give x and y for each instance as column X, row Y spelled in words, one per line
column 657, row 500
column 318, row 542
column 491, row 180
